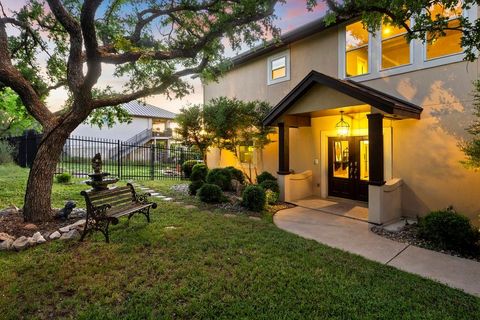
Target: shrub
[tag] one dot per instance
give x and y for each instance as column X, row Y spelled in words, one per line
column 63, row 177
column 264, row 176
column 449, row 230
column 194, row 186
column 6, row 152
column 187, row 167
column 270, row 185
column 199, row 172
column 236, row 174
column 210, row 193
column 220, row 177
column 272, row 196
column 254, row 198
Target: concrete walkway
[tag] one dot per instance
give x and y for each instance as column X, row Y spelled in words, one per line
column 355, row 237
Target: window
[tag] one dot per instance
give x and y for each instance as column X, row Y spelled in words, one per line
column 279, row 67
column 246, row 154
column 450, row 43
column 395, row 48
column 356, row 50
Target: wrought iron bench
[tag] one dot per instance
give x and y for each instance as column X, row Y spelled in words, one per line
column 106, row 207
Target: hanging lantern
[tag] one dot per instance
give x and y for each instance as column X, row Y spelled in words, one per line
column 343, row 128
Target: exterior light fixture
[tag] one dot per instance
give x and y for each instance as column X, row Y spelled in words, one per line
column 343, row 128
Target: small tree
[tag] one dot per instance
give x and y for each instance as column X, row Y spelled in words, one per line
column 471, row 148
column 233, row 123
column 191, row 130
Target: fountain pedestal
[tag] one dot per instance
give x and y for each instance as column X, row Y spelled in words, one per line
column 98, row 181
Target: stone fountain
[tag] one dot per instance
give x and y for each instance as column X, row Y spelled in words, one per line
column 98, row 181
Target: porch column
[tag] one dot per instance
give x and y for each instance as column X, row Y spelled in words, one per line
column 375, row 151
column 283, row 149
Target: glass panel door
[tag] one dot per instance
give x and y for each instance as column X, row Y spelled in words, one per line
column 364, row 174
column 341, row 152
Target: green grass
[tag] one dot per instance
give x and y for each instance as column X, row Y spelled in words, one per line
column 209, row 267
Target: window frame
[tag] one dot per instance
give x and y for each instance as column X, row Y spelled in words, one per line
column 410, row 48
column 345, row 51
column 284, row 54
column 252, row 154
column 425, row 47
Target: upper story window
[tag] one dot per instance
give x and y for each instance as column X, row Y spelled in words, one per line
column 387, row 52
column 450, row 43
column 395, row 48
column 356, row 50
column 246, row 154
column 279, row 67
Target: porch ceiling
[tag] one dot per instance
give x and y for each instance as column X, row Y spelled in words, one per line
column 395, row 107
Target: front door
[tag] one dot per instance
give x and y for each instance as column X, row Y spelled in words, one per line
column 348, row 167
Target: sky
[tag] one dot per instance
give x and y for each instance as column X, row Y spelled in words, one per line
column 291, row 15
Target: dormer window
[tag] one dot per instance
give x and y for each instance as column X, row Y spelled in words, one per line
column 279, row 67
column 356, row 50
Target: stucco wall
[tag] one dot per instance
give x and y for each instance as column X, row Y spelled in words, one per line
column 120, row 131
column 425, row 152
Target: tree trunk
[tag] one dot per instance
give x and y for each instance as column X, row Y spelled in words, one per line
column 37, row 206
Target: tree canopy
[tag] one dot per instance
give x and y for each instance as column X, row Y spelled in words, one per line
column 14, row 118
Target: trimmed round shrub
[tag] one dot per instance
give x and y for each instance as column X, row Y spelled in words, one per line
column 254, row 198
column 450, row 230
column 270, row 185
column 264, row 176
column 63, row 177
column 199, row 172
column 236, row 174
column 194, row 186
column 220, row 177
column 272, row 196
column 210, row 193
column 187, row 167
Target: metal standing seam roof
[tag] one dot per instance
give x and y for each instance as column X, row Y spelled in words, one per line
column 140, row 109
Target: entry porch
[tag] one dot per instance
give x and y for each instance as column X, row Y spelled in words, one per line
column 335, row 139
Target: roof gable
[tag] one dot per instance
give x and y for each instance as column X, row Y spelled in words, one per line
column 384, row 102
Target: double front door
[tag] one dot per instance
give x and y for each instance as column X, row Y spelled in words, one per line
column 348, row 167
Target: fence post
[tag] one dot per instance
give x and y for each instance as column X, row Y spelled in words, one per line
column 119, row 159
column 152, row 162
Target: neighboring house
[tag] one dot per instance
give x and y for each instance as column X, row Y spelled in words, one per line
column 363, row 117
column 149, row 124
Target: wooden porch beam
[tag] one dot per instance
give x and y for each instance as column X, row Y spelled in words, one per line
column 375, row 150
column 283, row 149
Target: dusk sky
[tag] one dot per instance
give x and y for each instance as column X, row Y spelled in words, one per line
column 291, row 15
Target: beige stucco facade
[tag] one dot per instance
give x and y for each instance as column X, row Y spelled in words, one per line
column 423, row 153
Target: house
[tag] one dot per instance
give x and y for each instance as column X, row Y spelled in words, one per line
column 370, row 118
column 149, row 124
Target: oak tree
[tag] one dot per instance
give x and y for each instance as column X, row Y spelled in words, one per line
column 151, row 46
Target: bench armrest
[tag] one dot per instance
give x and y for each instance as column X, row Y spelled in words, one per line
column 100, row 211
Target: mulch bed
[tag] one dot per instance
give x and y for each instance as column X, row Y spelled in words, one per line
column 409, row 234
column 11, row 222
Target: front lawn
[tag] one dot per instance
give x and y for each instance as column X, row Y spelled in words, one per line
column 193, row 264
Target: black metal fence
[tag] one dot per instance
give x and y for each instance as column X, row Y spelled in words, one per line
column 123, row 159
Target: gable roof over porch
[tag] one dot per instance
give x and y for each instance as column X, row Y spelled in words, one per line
column 393, row 106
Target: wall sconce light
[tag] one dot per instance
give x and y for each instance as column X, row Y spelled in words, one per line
column 343, row 128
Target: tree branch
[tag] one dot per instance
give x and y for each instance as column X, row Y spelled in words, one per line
column 12, row 78
column 74, row 64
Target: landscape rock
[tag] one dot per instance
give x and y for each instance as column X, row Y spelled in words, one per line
column 71, row 235
column 254, row 218
column 6, row 245
column 78, row 213
column 229, row 215
column 30, row 226
column 77, row 225
column 38, row 238
column 55, row 235
column 21, row 243
column 6, row 236
column 9, row 210
column 237, row 187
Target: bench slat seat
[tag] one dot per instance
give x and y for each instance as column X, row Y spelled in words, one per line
column 106, row 207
